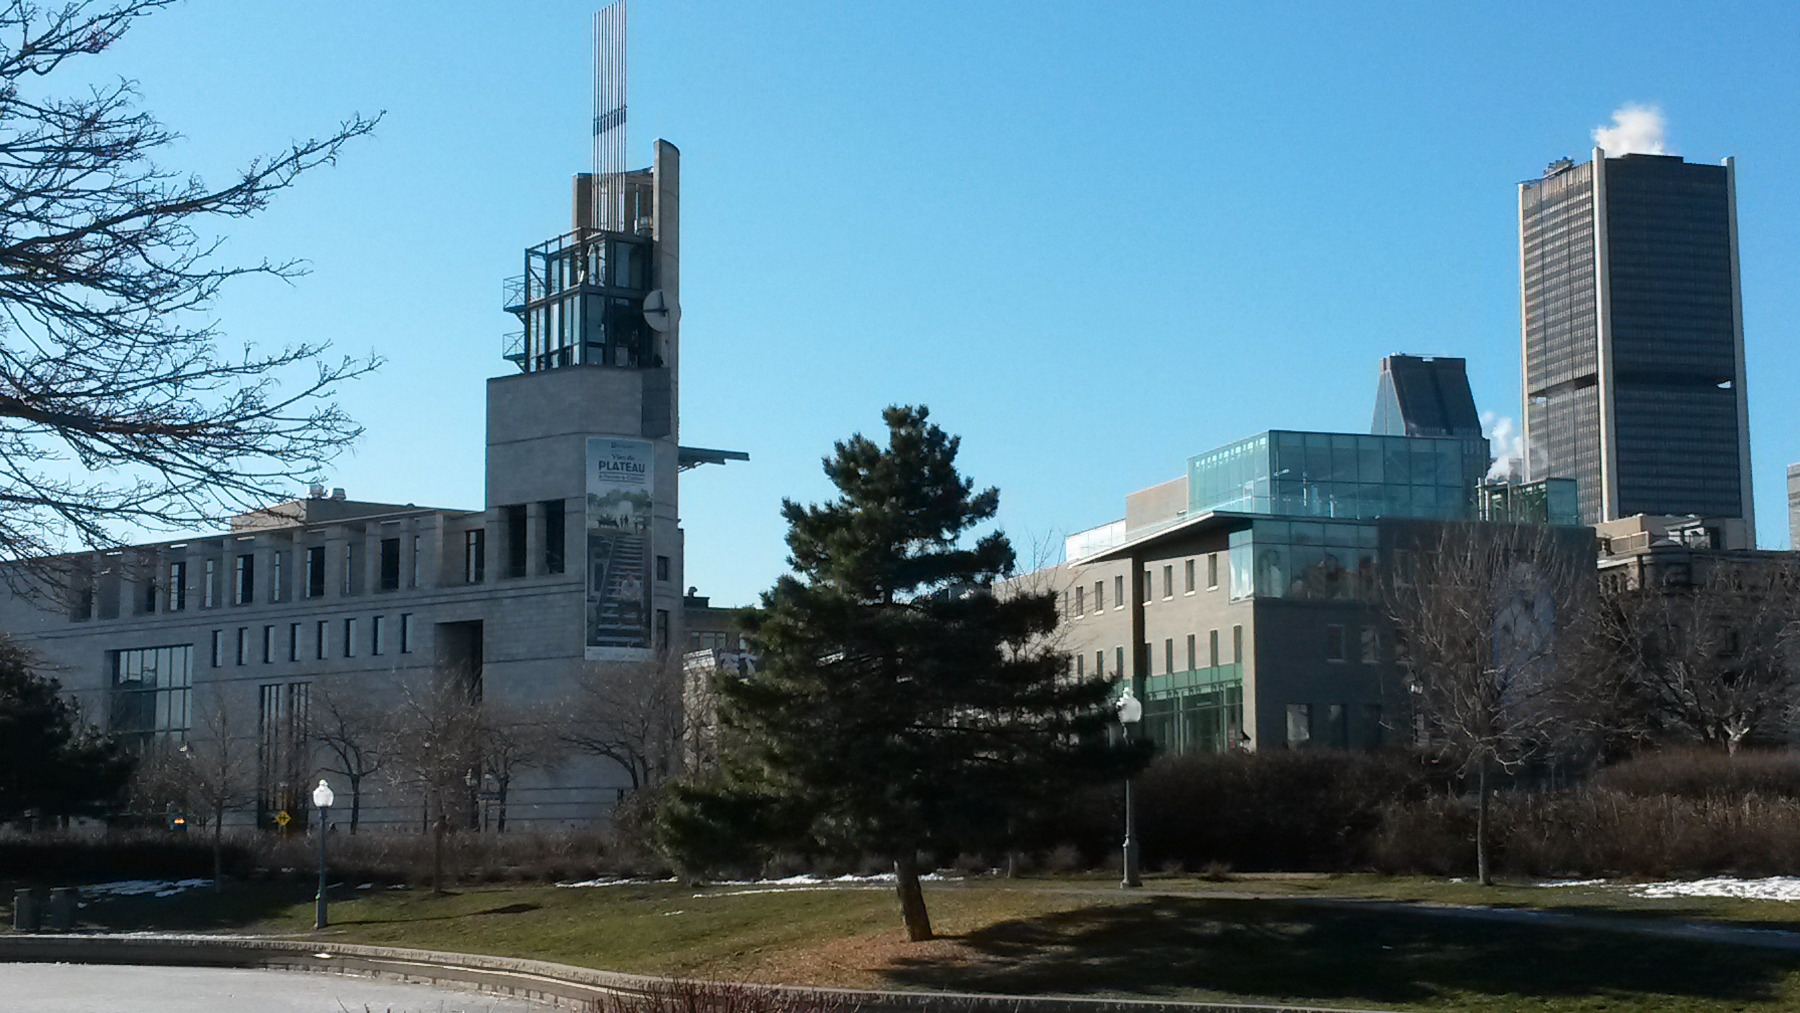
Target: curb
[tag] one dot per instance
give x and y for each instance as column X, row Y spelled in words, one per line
column 562, row 985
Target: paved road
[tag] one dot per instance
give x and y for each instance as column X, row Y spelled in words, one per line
column 99, row 988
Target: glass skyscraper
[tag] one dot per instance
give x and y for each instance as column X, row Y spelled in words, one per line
column 1632, row 337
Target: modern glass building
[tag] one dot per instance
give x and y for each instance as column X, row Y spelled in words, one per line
column 1340, row 475
column 1632, row 337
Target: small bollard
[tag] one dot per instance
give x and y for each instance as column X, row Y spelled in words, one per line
column 28, row 916
column 62, row 909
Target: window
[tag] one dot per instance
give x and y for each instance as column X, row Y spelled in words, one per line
column 377, row 627
column 1212, row 571
column 1080, row 601
column 209, row 591
column 1371, row 645
column 1119, row 661
column 350, row 638
column 322, row 640
column 1187, row 577
column 1192, row 660
column 268, row 644
column 1371, row 730
column 1169, row 581
column 406, row 642
column 514, row 518
column 1099, row 596
column 151, row 688
column 1212, row 649
column 1169, row 656
column 1148, row 589
column 243, row 643
column 349, row 567
column 178, row 586
column 1237, row 645
column 553, row 536
column 474, row 555
column 662, row 567
column 275, row 569
column 413, row 578
column 1337, row 728
column 662, row 629
column 389, row 578
column 1299, row 725
column 1334, row 642
column 1119, row 591
column 1099, row 664
column 243, row 585
column 148, row 602
column 281, row 744
column 1080, row 665
column 293, row 641
column 315, row 571
column 218, row 648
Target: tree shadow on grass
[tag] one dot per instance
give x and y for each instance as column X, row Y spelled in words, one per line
column 1168, row 946
column 237, row 905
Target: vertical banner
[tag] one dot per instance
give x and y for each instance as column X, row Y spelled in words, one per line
column 619, row 489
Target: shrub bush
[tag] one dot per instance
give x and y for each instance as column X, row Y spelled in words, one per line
column 1705, row 774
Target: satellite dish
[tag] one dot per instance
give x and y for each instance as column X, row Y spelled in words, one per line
column 660, row 311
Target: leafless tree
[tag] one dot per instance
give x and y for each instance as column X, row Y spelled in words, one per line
column 1485, row 618
column 1702, row 652
column 209, row 775
column 632, row 714
column 513, row 738
column 118, row 405
column 434, row 748
column 352, row 730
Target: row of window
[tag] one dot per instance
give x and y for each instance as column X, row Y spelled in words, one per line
column 244, row 647
column 1331, row 727
column 1078, row 599
column 1212, row 657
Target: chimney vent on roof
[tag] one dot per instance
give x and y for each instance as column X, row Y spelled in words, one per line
column 338, row 494
column 316, row 492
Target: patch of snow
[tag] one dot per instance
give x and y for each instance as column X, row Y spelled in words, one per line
column 611, row 881
column 1573, row 882
column 365, row 886
column 140, row 887
column 1767, row 888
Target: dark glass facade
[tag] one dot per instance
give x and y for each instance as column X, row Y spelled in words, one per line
column 1630, row 304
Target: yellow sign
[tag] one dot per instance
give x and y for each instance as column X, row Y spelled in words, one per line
column 282, row 818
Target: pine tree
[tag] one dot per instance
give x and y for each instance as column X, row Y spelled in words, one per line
column 52, row 763
column 898, row 703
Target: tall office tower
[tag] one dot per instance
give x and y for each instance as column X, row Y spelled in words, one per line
column 1633, row 339
column 1424, row 395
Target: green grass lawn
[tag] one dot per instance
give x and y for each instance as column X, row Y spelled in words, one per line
column 1189, row 939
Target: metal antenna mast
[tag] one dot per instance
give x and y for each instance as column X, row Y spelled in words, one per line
column 609, row 117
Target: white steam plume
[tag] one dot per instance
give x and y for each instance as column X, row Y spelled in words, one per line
column 1508, row 445
column 1636, row 130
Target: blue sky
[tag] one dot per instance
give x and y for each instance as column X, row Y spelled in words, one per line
column 1094, row 238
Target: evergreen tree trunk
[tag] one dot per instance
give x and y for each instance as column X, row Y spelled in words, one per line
column 1482, row 870
column 912, row 897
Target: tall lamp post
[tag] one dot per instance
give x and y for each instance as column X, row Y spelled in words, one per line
column 1131, row 711
column 322, row 799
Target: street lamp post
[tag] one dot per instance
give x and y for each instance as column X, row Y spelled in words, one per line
column 1131, row 711
column 322, row 799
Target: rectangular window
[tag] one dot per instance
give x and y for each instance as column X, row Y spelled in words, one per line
column 662, row 629
column 514, row 517
column 1119, row 661
column 349, row 567
column 218, row 648
column 1371, row 645
column 1337, row 727
column 243, row 587
column 1371, row 729
column 178, row 586
column 1334, row 642
column 376, row 625
column 293, row 641
column 243, row 643
column 390, row 564
column 1080, row 601
column 322, row 640
column 315, row 571
column 268, row 644
column 350, row 638
column 1187, row 577
column 554, row 536
column 474, row 555
column 406, row 640
column 151, row 688
column 1099, row 596
column 1212, row 572
column 1169, row 656
column 1080, row 665
column 275, row 571
column 1212, row 648
column 413, row 578
column 1149, row 588
column 1099, row 664
column 1237, row 645
column 662, row 567
column 1299, row 725
column 1119, row 591
column 1169, row 581
column 147, row 603
column 209, row 591
column 1192, row 658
